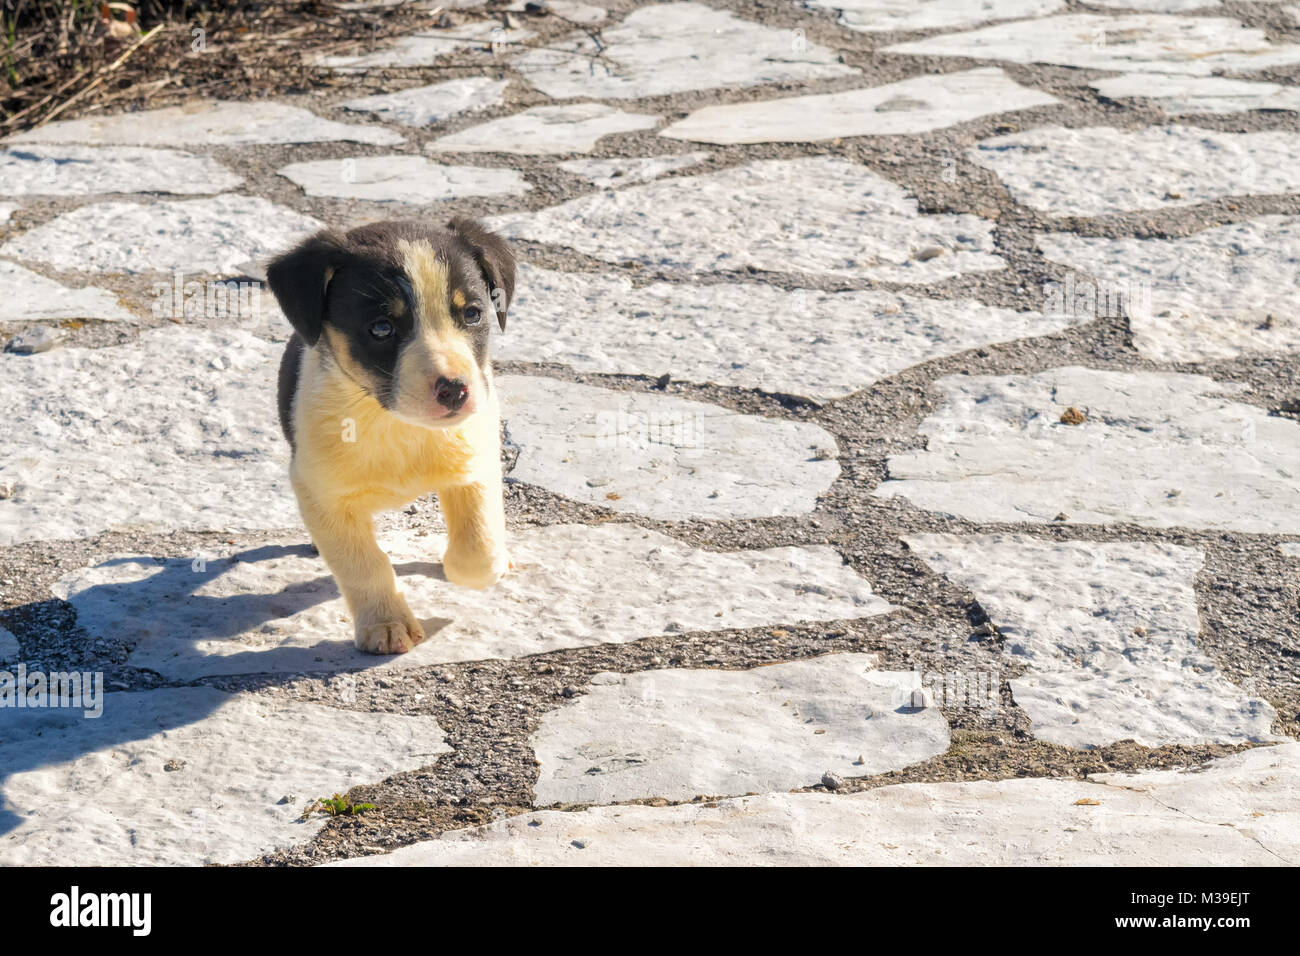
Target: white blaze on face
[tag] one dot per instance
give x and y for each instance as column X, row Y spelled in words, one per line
column 438, row 347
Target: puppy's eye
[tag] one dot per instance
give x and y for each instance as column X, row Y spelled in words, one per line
column 473, row 316
column 381, row 330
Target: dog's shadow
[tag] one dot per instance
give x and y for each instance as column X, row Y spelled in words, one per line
column 34, row 738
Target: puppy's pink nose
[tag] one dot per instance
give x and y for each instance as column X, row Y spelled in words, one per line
column 451, row 393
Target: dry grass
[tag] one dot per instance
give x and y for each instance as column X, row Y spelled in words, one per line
column 62, row 58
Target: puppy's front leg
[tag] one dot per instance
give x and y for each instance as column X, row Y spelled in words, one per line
column 346, row 540
column 476, row 533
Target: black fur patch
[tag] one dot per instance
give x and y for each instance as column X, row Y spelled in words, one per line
column 288, row 384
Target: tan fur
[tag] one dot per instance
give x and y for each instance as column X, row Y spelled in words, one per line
column 428, row 275
column 354, row 458
column 438, row 349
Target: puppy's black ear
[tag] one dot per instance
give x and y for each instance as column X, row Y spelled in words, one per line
column 495, row 260
column 300, row 278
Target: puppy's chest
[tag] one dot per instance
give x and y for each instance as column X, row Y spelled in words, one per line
column 350, row 446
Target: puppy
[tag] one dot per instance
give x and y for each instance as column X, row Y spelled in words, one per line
column 386, row 394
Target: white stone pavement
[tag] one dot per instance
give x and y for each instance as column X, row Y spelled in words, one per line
column 188, row 775
column 171, row 429
column 1240, row 811
column 797, row 215
column 275, row 609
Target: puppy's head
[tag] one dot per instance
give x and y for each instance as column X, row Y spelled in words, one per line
column 405, row 310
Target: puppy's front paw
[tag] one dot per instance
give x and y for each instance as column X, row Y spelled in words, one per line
column 475, row 571
column 391, row 630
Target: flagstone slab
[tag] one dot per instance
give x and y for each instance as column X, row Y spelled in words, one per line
column 216, row 236
column 275, row 608
column 1095, row 171
column 423, row 47
column 86, row 170
column 1146, row 43
column 818, row 215
column 1108, row 631
column 1159, row 6
column 434, row 5
column 9, row 649
column 662, row 456
column 401, row 179
column 879, row 16
column 675, row 48
column 1291, row 550
column 430, row 105
column 29, row 297
column 1183, row 95
column 176, row 430
column 568, row 10
column 542, row 130
column 1221, row 293
column 1163, row 450
column 916, row 105
column 607, row 173
column 99, row 792
column 818, row 345
column 209, row 123
column 678, row 733
column 6, row 210
column 1240, row 810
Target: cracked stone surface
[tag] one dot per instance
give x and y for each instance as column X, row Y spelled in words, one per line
column 1098, row 170
column 678, row 733
column 30, row 297
column 99, row 791
column 607, row 173
column 1159, row 6
column 401, row 179
column 740, row 218
column 1145, row 43
column 1109, row 634
column 909, row 106
column 671, row 48
column 1220, row 293
column 208, row 123
column 183, row 417
column 568, row 10
column 742, row 334
column 661, row 456
column 275, row 609
column 86, row 170
column 216, row 236
column 423, row 47
column 1183, row 95
column 880, row 16
column 429, row 105
column 575, row 128
column 1241, row 810
column 1163, row 450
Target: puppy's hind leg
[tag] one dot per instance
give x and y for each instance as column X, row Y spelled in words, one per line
column 476, row 533
column 346, row 540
